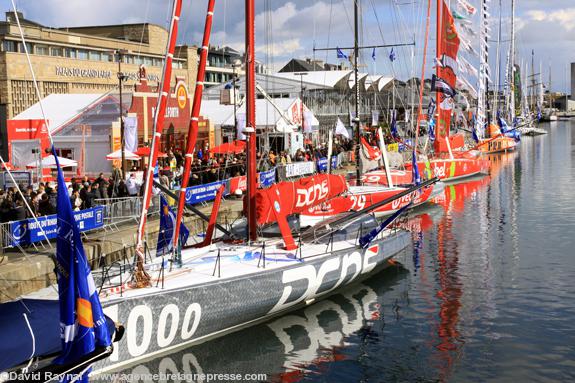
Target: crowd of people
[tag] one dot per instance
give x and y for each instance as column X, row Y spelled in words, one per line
column 86, row 193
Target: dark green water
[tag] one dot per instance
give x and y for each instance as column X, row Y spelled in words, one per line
column 486, row 294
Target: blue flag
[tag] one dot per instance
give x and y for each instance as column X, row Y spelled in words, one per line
column 415, row 170
column 539, row 115
column 82, row 321
column 392, row 55
column 431, row 129
column 340, row 54
column 373, row 54
column 166, row 233
column 200, row 154
column 394, row 131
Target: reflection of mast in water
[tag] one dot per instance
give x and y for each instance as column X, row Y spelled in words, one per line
column 449, row 293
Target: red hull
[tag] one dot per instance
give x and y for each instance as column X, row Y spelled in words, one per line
column 358, row 201
column 449, row 170
column 379, row 177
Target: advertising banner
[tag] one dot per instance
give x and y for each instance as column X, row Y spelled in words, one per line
column 29, row 231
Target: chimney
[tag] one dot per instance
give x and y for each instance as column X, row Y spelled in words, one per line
column 11, row 17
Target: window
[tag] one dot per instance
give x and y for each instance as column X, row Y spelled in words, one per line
column 42, row 50
column 138, row 60
column 82, row 54
column 8, row 46
column 70, row 53
column 107, row 57
column 57, row 51
column 28, row 46
column 158, row 62
column 148, row 61
column 95, row 55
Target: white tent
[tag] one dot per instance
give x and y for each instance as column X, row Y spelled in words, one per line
column 117, row 155
column 50, row 162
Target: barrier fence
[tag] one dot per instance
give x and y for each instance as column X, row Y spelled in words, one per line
column 110, row 212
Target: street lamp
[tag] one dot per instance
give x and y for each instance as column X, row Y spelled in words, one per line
column 121, row 77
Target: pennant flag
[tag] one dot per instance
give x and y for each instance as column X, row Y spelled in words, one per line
column 431, row 108
column 241, row 126
column 166, row 235
column 307, row 121
column 341, row 55
column 393, row 126
column 415, row 169
column 440, row 85
column 465, row 5
column 373, row 154
column 374, row 117
column 373, row 54
column 340, row 129
column 392, row 55
column 82, row 321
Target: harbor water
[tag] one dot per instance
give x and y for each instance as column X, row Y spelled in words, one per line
column 487, row 293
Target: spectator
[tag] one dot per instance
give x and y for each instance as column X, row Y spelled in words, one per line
column 133, row 185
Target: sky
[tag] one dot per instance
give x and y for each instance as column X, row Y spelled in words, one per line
column 286, row 29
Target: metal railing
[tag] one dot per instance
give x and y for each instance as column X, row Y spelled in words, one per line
column 117, row 211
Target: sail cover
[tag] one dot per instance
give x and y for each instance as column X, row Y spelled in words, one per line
column 31, row 328
column 294, row 197
column 448, row 47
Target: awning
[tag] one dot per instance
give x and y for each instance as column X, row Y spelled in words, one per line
column 234, row 147
column 144, row 151
column 117, row 155
column 50, row 162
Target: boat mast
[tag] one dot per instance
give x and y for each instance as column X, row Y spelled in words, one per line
column 512, row 61
column 355, row 74
column 498, row 68
column 193, row 127
column 141, row 278
column 251, row 119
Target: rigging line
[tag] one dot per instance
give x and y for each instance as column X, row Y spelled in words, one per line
column 143, row 28
column 42, row 110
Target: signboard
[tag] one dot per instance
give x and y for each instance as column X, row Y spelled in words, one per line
column 202, row 193
column 299, row 169
column 322, row 163
column 181, row 94
column 23, row 179
column 267, row 178
column 29, row 231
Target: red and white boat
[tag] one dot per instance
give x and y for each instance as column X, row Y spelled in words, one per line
column 360, row 197
column 451, row 169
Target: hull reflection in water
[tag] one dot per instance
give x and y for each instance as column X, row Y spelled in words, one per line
column 290, row 347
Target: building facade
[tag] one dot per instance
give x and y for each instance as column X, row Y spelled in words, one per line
column 81, row 60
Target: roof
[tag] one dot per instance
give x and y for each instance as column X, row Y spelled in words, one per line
column 266, row 113
column 329, row 78
column 295, row 65
column 60, row 108
column 272, row 84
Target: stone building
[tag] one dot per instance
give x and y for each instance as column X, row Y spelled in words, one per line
column 81, row 60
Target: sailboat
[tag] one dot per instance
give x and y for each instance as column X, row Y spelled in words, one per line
column 223, row 285
column 494, row 140
column 47, row 340
column 449, row 163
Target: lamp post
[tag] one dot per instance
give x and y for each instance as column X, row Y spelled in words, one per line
column 121, row 77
